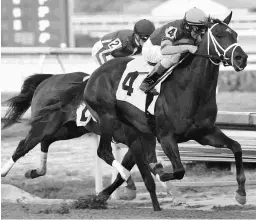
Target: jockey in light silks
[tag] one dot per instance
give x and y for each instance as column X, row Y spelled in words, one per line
column 164, row 48
column 122, row 43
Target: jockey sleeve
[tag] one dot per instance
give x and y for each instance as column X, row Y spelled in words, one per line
column 167, row 48
column 108, row 48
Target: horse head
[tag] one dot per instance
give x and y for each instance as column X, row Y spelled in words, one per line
column 221, row 43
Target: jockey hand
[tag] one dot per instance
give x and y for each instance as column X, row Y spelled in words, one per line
column 191, row 48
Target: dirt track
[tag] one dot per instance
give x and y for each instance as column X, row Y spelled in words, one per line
column 124, row 211
column 70, row 175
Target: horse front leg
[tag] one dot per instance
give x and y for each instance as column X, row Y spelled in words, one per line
column 215, row 137
column 140, row 157
column 156, row 168
column 170, row 148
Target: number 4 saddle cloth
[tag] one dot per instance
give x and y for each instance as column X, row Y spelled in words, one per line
column 128, row 89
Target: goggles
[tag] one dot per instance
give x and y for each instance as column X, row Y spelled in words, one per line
column 198, row 29
column 144, row 38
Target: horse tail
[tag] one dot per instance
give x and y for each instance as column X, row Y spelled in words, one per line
column 20, row 103
column 69, row 100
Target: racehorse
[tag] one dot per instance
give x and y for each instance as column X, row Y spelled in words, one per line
column 185, row 110
column 38, row 91
column 52, row 120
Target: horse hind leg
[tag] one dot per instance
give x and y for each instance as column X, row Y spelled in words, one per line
column 66, row 132
column 10, row 163
column 38, row 131
column 23, row 148
column 215, row 137
column 41, row 171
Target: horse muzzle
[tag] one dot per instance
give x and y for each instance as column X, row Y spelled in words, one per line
column 240, row 60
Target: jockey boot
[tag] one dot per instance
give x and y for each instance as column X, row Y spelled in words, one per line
column 151, row 78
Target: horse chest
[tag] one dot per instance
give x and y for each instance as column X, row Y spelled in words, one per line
column 183, row 121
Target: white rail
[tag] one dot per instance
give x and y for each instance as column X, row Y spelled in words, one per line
column 98, row 25
column 24, row 61
column 249, row 48
column 45, row 51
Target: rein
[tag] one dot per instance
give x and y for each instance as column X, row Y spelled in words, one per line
column 209, row 56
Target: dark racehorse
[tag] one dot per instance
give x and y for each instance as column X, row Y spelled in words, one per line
column 185, row 110
column 39, row 91
column 53, row 119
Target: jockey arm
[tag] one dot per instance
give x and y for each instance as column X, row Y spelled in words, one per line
column 169, row 48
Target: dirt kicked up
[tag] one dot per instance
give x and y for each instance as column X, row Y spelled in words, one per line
column 210, row 204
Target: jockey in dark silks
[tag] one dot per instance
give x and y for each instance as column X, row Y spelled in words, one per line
column 167, row 43
column 122, row 43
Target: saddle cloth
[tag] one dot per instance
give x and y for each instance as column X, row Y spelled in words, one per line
column 83, row 115
column 128, row 89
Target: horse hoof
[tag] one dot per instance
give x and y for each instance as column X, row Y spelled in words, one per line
column 127, row 194
column 156, row 168
column 240, row 199
column 31, row 174
column 3, row 174
column 157, row 209
column 102, row 197
column 164, row 177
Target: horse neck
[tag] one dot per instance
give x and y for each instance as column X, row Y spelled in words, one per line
column 204, row 76
column 198, row 79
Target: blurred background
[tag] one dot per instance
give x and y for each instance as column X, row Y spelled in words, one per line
column 56, row 36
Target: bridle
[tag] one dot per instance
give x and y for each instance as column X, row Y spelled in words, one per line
column 221, row 52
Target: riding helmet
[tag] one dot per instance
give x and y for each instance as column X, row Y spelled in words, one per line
column 144, row 28
column 195, row 16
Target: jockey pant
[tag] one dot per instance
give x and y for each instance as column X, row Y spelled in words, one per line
column 99, row 53
column 152, row 54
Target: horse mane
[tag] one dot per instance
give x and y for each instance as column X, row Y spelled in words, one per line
column 211, row 20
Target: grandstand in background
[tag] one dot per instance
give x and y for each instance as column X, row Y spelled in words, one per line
column 90, row 28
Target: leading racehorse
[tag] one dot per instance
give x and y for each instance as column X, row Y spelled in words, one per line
column 185, row 110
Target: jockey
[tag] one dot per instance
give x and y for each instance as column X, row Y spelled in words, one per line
column 122, row 43
column 167, row 43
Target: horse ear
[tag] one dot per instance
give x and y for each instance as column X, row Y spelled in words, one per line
column 228, row 18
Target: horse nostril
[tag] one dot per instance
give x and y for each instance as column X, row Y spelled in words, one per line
column 241, row 59
column 238, row 58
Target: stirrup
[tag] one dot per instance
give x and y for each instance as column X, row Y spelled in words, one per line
column 148, row 82
column 152, row 91
column 144, row 86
